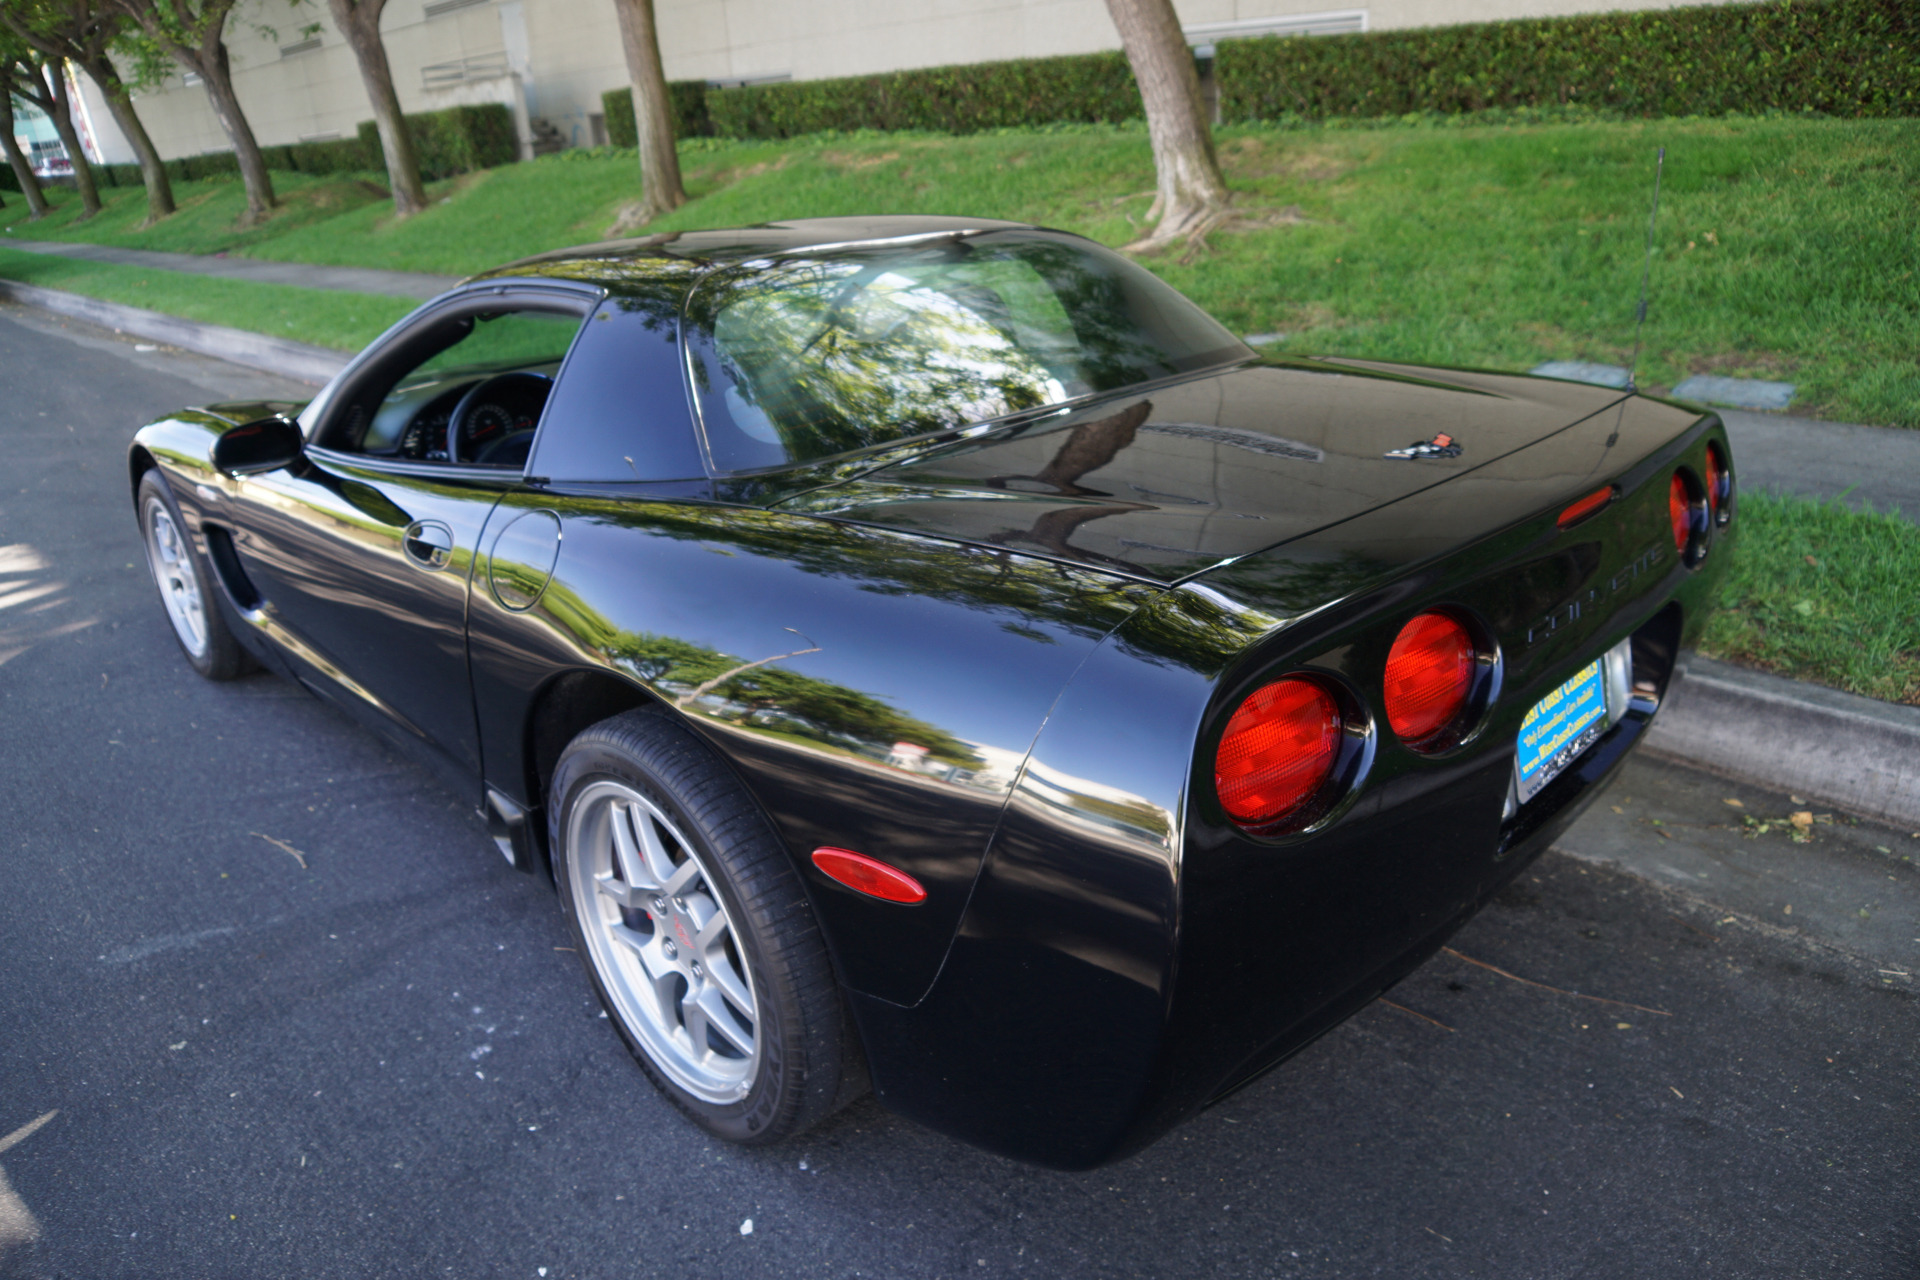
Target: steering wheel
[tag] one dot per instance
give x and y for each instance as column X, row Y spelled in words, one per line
column 480, row 394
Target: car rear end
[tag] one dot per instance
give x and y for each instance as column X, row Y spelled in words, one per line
column 1373, row 770
column 1280, row 786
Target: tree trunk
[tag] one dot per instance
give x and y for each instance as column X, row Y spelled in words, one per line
column 22, row 168
column 218, row 78
column 1190, row 193
column 152, row 172
column 660, row 189
column 359, row 21
column 61, row 113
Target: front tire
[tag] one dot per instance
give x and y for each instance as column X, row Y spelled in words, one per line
column 696, row 932
column 186, row 588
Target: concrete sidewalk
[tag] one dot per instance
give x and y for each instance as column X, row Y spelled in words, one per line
column 1873, row 466
column 398, row 284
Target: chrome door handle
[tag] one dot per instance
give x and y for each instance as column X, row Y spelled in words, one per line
column 429, row 544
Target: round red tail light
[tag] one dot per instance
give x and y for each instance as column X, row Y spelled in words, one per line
column 1718, row 481
column 1429, row 675
column 1680, row 511
column 1277, row 751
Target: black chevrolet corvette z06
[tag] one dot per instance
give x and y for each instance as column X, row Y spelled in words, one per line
column 932, row 654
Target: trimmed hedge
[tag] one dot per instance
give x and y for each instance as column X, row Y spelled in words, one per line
column 456, row 140
column 1840, row 57
column 1092, row 87
column 211, row 164
column 342, row 155
column 687, row 97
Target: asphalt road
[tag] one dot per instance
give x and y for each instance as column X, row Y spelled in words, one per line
column 373, row 1057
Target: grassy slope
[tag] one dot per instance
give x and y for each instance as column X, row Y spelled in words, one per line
column 1789, row 248
column 346, row 321
column 206, row 218
column 1821, row 592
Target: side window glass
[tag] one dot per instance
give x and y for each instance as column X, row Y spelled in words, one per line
column 619, row 411
column 477, row 395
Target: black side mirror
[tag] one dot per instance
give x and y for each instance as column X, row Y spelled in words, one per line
column 265, row 444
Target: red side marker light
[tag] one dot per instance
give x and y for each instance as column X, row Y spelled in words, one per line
column 1277, row 751
column 1716, row 479
column 868, row 875
column 1586, row 506
column 1429, row 674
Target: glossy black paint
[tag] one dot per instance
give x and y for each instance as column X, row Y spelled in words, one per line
column 998, row 658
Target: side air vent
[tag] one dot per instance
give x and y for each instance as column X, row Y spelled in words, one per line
column 226, row 564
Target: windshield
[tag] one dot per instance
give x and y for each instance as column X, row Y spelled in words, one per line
column 810, row 356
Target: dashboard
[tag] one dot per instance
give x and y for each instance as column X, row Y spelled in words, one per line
column 412, row 421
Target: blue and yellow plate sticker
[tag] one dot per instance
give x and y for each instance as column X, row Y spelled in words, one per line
column 1560, row 718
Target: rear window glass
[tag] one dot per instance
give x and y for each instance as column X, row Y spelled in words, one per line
column 815, row 355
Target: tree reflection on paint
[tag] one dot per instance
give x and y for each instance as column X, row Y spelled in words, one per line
column 1029, row 590
column 756, row 693
column 809, row 357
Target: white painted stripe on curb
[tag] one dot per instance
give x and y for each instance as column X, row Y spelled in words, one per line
column 297, row 360
column 1852, row 752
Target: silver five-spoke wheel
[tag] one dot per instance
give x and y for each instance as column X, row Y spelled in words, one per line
column 185, row 582
column 696, row 930
column 173, row 572
column 662, row 942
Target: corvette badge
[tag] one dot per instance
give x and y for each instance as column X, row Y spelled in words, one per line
column 1441, row 446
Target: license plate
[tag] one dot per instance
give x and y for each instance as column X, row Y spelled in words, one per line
column 1560, row 726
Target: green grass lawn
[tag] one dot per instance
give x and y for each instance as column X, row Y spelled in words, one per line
column 345, row 321
column 1788, row 248
column 1822, row 592
column 206, row 219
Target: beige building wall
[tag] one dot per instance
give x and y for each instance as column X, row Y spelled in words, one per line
column 552, row 59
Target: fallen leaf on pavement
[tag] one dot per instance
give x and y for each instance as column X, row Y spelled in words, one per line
column 298, row 857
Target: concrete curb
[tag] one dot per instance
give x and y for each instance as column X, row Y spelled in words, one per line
column 1855, row 753
column 296, row 360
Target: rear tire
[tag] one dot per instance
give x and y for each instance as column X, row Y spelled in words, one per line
column 186, row 586
column 696, row 932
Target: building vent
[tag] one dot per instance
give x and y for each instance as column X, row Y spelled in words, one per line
column 439, row 7
column 1334, row 22
column 305, row 46
column 481, row 66
column 742, row 82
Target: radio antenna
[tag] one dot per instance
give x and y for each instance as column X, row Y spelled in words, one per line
column 1646, row 271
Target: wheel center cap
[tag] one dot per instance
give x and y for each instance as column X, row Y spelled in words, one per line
column 680, row 928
